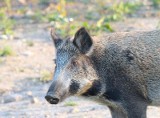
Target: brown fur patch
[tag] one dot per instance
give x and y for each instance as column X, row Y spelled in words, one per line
column 89, row 85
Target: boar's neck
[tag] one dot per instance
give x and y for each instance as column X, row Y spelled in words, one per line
column 98, row 87
column 95, row 89
column 112, row 71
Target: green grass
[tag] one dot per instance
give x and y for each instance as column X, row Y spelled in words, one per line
column 45, row 76
column 95, row 23
column 44, row 2
column 158, row 25
column 1, row 61
column 66, row 26
column 156, row 3
column 8, row 4
column 119, row 10
column 97, row 17
column 30, row 43
column 38, row 16
column 6, row 23
column 70, row 103
column 6, row 51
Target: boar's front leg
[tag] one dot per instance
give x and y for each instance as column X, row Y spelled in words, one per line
column 130, row 109
column 118, row 113
column 127, row 103
column 136, row 109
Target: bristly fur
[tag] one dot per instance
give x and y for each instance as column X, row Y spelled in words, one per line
column 119, row 69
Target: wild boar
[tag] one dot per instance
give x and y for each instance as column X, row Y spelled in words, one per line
column 122, row 70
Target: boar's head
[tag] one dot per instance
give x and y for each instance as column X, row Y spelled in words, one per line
column 74, row 72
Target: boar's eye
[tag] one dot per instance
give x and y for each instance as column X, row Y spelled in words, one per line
column 74, row 63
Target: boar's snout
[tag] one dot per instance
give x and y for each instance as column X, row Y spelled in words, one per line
column 57, row 92
column 52, row 99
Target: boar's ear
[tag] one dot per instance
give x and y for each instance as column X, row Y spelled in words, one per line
column 82, row 40
column 56, row 40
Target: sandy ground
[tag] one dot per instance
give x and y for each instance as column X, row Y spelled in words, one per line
column 21, row 91
column 22, row 94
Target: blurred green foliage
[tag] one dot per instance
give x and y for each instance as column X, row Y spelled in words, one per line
column 70, row 103
column 67, row 25
column 44, row 1
column 8, row 4
column 1, row 61
column 156, row 3
column 6, row 23
column 6, row 51
column 158, row 25
column 97, row 17
column 119, row 10
column 30, row 43
column 45, row 76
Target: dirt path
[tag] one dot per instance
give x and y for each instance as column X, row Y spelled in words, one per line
column 22, row 93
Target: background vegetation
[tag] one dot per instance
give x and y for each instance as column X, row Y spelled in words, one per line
column 67, row 15
column 26, row 51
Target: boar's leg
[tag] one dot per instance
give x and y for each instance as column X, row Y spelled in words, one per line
column 130, row 109
column 129, row 106
column 135, row 110
column 117, row 113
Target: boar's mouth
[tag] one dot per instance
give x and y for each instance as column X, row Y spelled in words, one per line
column 57, row 92
column 52, row 99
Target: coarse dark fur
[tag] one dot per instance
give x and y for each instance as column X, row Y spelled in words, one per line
column 119, row 69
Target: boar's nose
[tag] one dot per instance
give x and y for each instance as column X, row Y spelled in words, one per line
column 52, row 99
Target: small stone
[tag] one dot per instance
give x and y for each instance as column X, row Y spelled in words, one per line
column 93, row 108
column 23, row 2
column 35, row 100
column 11, row 98
column 18, row 97
column 3, row 37
column 27, row 53
column 75, row 110
column 29, row 93
column 47, row 116
column 8, row 99
column 29, row 13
